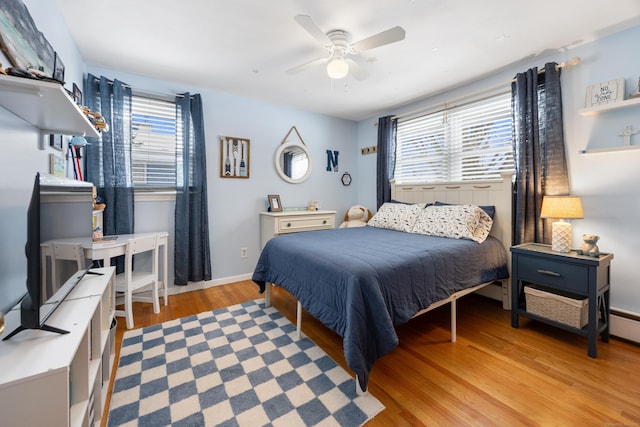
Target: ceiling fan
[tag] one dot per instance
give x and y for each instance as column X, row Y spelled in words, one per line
column 339, row 48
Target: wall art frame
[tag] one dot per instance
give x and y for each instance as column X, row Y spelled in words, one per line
column 77, row 94
column 603, row 93
column 56, row 165
column 55, row 141
column 235, row 157
column 21, row 41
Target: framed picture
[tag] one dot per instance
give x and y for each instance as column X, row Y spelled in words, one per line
column 605, row 93
column 55, row 141
column 77, row 95
column 234, row 157
column 21, row 41
column 274, row 203
column 58, row 69
column 56, row 165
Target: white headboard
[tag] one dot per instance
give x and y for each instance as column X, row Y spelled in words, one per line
column 496, row 192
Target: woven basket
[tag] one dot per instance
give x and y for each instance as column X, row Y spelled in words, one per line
column 572, row 311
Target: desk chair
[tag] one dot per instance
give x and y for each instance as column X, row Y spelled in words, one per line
column 138, row 280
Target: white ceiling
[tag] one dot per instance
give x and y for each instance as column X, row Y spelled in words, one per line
column 244, row 47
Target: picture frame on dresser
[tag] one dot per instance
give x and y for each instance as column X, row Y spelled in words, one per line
column 275, row 205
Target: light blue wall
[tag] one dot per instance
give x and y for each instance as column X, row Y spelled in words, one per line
column 21, row 159
column 233, row 203
column 608, row 183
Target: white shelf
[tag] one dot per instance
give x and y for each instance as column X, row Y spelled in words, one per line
column 45, row 105
column 609, row 149
column 609, row 107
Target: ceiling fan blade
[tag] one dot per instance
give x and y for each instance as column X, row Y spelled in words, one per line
column 302, row 67
column 307, row 23
column 392, row 35
column 356, row 70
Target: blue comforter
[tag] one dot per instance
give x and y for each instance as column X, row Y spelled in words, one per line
column 362, row 282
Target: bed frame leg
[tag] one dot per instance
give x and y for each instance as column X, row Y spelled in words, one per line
column 267, row 294
column 359, row 391
column 453, row 321
column 299, row 320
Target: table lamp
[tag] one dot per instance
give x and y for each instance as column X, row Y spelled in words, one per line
column 561, row 207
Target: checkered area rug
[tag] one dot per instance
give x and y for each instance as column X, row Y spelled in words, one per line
column 237, row 366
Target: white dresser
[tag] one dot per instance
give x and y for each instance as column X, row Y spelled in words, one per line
column 276, row 223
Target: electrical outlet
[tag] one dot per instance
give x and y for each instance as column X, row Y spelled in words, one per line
column 243, row 253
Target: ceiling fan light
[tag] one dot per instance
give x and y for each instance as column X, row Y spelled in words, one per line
column 337, row 68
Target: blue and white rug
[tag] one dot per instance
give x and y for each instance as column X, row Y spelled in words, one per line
column 237, row 366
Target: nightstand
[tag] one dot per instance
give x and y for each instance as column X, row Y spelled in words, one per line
column 586, row 276
column 276, row 223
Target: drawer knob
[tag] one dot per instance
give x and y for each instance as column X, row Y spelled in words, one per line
column 288, row 224
column 549, row 273
column 324, row 222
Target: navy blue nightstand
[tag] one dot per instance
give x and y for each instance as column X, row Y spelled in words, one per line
column 534, row 263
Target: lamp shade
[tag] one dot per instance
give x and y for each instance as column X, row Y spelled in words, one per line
column 337, row 68
column 562, row 207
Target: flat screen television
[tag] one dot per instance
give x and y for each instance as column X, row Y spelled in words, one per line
column 60, row 210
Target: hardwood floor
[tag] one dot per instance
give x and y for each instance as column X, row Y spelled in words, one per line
column 494, row 375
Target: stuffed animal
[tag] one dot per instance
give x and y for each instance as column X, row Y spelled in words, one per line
column 589, row 246
column 356, row 216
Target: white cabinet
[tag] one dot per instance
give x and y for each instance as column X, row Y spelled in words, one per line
column 61, row 380
column 276, row 223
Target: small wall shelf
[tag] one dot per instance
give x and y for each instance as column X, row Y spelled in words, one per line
column 609, row 107
column 45, row 105
column 609, row 149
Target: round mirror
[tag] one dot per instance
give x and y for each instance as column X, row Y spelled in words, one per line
column 293, row 162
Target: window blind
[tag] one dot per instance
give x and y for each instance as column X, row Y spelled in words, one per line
column 469, row 142
column 155, row 142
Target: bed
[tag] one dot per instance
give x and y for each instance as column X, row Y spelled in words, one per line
column 363, row 282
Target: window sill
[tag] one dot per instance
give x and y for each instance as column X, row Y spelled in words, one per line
column 155, row 196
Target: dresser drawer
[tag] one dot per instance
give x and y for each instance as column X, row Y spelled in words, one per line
column 304, row 223
column 560, row 275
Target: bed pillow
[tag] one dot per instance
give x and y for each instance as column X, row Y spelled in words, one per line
column 454, row 221
column 490, row 210
column 396, row 216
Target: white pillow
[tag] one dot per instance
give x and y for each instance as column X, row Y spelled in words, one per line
column 396, row 216
column 454, row 221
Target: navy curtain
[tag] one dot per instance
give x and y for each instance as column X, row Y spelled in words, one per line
column 108, row 158
column 192, row 260
column 386, row 150
column 539, row 150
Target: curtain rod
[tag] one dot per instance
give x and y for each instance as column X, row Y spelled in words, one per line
column 447, row 103
column 144, row 92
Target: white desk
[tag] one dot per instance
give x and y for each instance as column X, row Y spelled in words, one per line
column 106, row 250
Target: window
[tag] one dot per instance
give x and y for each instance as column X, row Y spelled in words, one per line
column 156, row 141
column 468, row 142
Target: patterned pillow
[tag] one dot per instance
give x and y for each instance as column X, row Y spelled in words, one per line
column 396, row 216
column 454, row 221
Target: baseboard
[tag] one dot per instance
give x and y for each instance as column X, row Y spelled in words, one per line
column 198, row 286
column 500, row 291
column 625, row 324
